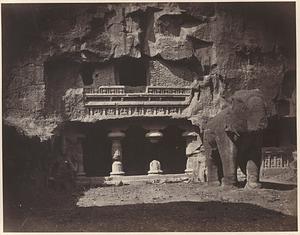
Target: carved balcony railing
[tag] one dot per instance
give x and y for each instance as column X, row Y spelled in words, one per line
column 105, row 90
column 156, row 101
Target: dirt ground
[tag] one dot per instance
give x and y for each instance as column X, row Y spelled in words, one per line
column 157, row 207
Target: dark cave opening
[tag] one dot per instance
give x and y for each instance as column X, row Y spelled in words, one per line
column 132, row 73
column 173, row 159
column 138, row 152
column 281, row 131
column 86, row 72
column 136, row 158
column 97, row 152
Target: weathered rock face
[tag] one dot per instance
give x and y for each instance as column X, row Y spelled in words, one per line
column 52, row 51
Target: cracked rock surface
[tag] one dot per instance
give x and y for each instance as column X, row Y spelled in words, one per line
column 47, row 47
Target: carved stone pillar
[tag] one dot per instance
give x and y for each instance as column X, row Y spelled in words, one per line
column 80, row 169
column 116, row 149
column 192, row 150
column 154, row 137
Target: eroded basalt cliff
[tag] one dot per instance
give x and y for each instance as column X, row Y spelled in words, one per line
column 51, row 52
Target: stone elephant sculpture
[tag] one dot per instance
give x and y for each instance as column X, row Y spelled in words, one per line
column 234, row 138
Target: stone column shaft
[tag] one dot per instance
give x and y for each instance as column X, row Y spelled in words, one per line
column 80, row 171
column 117, row 166
column 192, row 150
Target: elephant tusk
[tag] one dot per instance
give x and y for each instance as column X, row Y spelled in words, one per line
column 228, row 129
column 236, row 133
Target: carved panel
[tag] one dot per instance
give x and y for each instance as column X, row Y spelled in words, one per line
column 134, row 111
column 156, row 101
column 275, row 158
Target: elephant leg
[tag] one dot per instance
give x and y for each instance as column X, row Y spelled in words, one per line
column 253, row 162
column 228, row 154
column 212, row 167
column 252, row 175
column 212, row 172
column 210, row 147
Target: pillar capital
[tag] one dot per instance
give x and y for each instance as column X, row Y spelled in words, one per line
column 116, row 134
column 154, row 136
column 190, row 135
column 80, row 135
column 154, row 126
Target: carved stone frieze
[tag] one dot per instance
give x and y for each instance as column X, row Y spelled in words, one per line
column 156, row 101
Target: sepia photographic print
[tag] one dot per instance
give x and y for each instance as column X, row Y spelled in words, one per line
column 149, row 117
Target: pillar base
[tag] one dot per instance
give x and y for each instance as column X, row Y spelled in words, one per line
column 189, row 171
column 80, row 171
column 81, row 174
column 117, row 168
column 157, row 172
column 119, row 173
column 191, row 164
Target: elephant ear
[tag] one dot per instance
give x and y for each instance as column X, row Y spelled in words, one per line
column 236, row 118
column 257, row 115
column 248, row 111
column 239, row 108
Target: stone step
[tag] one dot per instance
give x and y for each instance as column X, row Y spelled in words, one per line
column 113, row 180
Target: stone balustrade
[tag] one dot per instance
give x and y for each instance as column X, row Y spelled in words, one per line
column 105, row 90
column 168, row 90
column 156, row 101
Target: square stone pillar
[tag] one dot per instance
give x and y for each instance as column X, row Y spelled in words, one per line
column 192, row 151
column 116, row 149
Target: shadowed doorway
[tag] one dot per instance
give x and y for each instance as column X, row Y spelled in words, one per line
column 173, row 159
column 97, row 152
column 138, row 152
column 135, row 155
